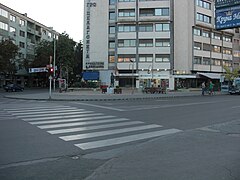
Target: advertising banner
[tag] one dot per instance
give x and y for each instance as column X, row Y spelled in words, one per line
column 227, row 18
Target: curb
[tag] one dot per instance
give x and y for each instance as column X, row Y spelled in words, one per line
column 106, row 99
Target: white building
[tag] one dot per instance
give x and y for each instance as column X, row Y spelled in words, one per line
column 156, row 42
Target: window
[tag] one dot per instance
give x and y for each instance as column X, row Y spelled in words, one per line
column 126, row 43
column 146, row 12
column 206, row 34
column 146, row 28
column 227, row 63
column 22, row 22
column 126, row 0
column 3, row 26
column 126, row 57
column 12, row 18
column 203, row 18
column 111, row 44
column 162, row 58
column 216, row 36
column 227, row 51
column 216, row 62
column 227, row 38
column 197, row 60
column 126, row 28
column 22, row 44
column 197, row 45
column 112, row 30
column 112, row 16
column 162, row 12
column 22, row 33
column 216, row 49
column 126, row 12
column 3, row 13
column 236, row 53
column 206, row 47
column 145, row 43
column 206, row 61
column 12, row 29
column 162, row 43
column 197, row 32
column 203, row 4
column 162, row 27
column 145, row 57
column 112, row 2
column 111, row 59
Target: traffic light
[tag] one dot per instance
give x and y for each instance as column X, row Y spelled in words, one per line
column 51, row 70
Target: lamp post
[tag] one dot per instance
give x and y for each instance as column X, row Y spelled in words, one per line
column 132, row 75
column 54, row 62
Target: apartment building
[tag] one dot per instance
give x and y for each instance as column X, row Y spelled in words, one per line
column 25, row 33
column 156, row 42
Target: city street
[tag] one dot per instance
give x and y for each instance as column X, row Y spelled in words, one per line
column 182, row 138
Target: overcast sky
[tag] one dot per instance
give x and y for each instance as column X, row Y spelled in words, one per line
column 59, row 14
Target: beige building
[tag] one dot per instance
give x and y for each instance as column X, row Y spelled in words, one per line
column 25, row 33
column 156, row 42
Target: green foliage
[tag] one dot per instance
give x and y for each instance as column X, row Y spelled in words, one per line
column 8, row 52
column 43, row 52
column 231, row 74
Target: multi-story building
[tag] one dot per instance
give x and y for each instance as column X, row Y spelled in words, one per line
column 156, row 42
column 24, row 32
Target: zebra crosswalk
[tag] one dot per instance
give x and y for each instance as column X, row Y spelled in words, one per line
column 88, row 130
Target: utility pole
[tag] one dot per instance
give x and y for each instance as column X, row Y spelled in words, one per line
column 54, row 62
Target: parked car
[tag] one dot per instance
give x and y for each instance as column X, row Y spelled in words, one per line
column 12, row 87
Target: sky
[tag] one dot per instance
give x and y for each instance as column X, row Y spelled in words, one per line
column 60, row 14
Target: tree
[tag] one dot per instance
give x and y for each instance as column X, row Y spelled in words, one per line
column 8, row 52
column 78, row 63
column 231, row 74
column 43, row 51
column 65, row 51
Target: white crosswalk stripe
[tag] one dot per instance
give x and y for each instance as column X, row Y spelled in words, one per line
column 87, row 129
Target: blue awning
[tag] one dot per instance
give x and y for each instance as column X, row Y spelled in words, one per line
column 90, row 76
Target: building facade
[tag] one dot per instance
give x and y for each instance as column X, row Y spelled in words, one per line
column 25, row 33
column 156, row 42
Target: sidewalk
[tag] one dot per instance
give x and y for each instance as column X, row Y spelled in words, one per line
column 90, row 95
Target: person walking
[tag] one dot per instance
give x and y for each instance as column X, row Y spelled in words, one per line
column 203, row 88
column 211, row 88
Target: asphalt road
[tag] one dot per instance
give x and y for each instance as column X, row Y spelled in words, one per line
column 52, row 140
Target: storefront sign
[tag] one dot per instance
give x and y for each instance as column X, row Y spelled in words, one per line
column 228, row 18
column 89, row 5
column 94, row 65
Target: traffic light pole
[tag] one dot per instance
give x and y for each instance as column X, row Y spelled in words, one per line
column 50, row 87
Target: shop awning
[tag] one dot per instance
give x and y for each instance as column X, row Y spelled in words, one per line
column 90, row 76
column 211, row 75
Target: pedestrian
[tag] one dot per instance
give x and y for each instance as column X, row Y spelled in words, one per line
column 203, row 88
column 211, row 85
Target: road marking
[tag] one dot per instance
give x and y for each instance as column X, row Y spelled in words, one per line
column 235, row 107
column 98, row 106
column 70, row 120
column 108, row 132
column 62, row 116
column 125, row 139
column 55, row 114
column 94, row 127
column 175, row 105
column 37, row 107
column 81, row 123
column 41, row 110
column 50, row 111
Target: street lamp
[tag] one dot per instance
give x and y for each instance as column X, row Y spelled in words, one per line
column 132, row 74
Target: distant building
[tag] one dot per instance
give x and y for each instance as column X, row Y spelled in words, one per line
column 25, row 33
column 155, row 42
